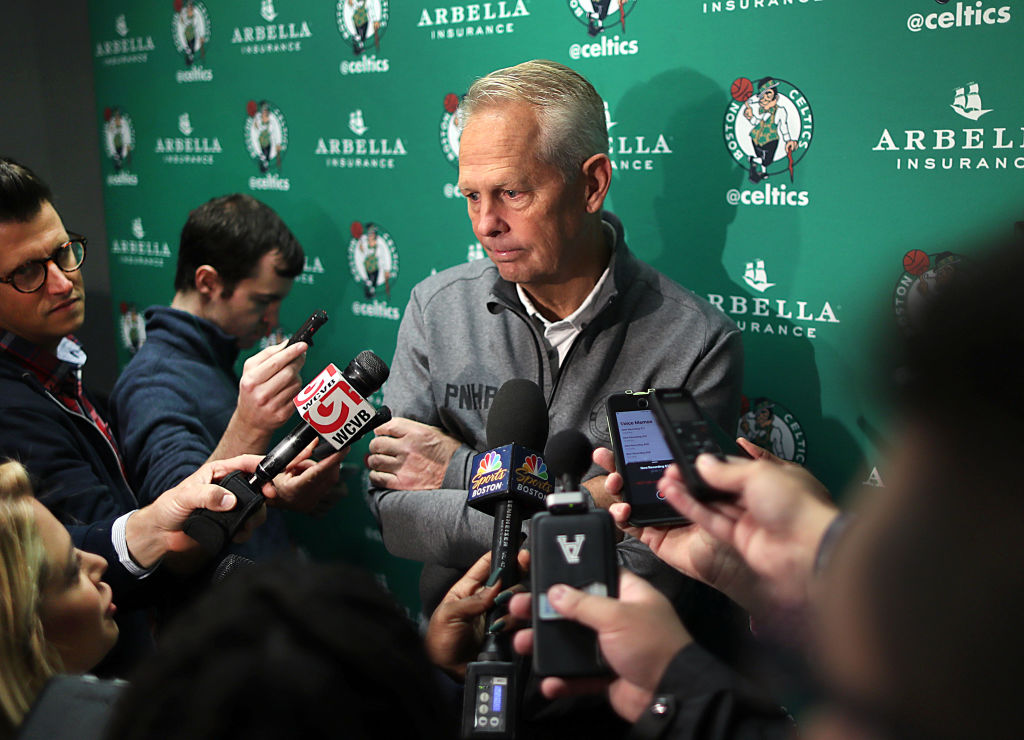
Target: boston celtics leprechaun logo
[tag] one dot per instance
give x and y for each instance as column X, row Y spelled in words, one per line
column 266, row 134
column 190, row 29
column 924, row 277
column 118, row 137
column 449, row 129
column 771, row 426
column 132, row 326
column 768, row 127
column 362, row 22
column 600, row 15
column 372, row 258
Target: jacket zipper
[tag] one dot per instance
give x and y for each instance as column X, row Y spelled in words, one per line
column 92, row 425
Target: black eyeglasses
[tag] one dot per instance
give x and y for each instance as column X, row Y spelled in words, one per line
column 31, row 276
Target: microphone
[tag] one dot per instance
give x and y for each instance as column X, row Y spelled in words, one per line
column 333, row 407
column 229, row 565
column 511, row 479
column 568, row 458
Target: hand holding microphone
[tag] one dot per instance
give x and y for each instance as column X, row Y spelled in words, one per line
column 334, row 407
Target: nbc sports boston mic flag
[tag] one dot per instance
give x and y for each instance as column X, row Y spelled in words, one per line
column 493, row 468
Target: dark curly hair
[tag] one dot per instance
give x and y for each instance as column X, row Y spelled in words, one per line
column 292, row 649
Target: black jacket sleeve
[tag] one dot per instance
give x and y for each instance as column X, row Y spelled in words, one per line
column 700, row 697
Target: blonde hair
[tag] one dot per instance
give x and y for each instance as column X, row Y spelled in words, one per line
column 569, row 110
column 27, row 660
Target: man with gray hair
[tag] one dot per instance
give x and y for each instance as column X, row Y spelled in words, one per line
column 561, row 301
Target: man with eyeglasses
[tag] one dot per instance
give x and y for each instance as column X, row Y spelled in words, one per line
column 50, row 423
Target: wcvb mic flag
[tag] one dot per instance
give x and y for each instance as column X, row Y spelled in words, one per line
column 333, row 408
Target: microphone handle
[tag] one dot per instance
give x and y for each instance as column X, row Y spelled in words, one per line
column 508, row 523
column 214, row 529
column 284, row 452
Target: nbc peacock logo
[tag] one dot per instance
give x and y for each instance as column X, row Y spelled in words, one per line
column 534, row 465
column 489, row 472
column 489, row 463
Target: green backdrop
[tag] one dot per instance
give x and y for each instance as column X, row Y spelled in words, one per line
column 908, row 116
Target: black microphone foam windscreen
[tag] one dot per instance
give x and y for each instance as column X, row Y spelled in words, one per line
column 518, row 415
column 568, row 453
column 366, row 373
column 229, row 565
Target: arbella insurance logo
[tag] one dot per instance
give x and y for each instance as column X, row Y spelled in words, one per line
column 362, row 24
column 629, row 151
column 360, row 151
column 605, row 21
column 373, row 262
column 768, row 128
column 188, row 148
column 475, row 20
column 732, row 6
column 774, row 316
column 126, row 48
column 992, row 146
column 266, row 139
column 312, row 268
column 190, row 31
column 273, row 37
column 118, row 143
column 139, row 251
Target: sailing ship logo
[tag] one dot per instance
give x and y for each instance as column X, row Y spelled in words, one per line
column 267, row 11
column 967, row 102
column 355, row 122
column 755, row 276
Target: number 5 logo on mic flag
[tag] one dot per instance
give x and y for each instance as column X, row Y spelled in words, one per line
column 332, row 407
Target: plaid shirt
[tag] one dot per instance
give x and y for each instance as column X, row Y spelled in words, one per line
column 61, row 375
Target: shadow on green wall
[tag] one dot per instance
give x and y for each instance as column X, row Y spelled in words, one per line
column 678, row 219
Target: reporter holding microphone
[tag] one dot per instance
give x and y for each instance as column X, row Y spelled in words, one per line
column 57, row 429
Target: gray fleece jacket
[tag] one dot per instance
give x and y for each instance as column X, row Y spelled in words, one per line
column 465, row 332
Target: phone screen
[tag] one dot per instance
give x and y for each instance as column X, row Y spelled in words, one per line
column 645, row 454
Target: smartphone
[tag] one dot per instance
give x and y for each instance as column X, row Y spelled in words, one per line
column 641, row 455
column 688, row 434
column 572, row 544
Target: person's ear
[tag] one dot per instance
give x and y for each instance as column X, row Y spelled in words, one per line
column 597, row 178
column 208, row 282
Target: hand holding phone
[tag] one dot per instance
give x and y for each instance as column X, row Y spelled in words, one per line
column 688, row 434
column 641, row 456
